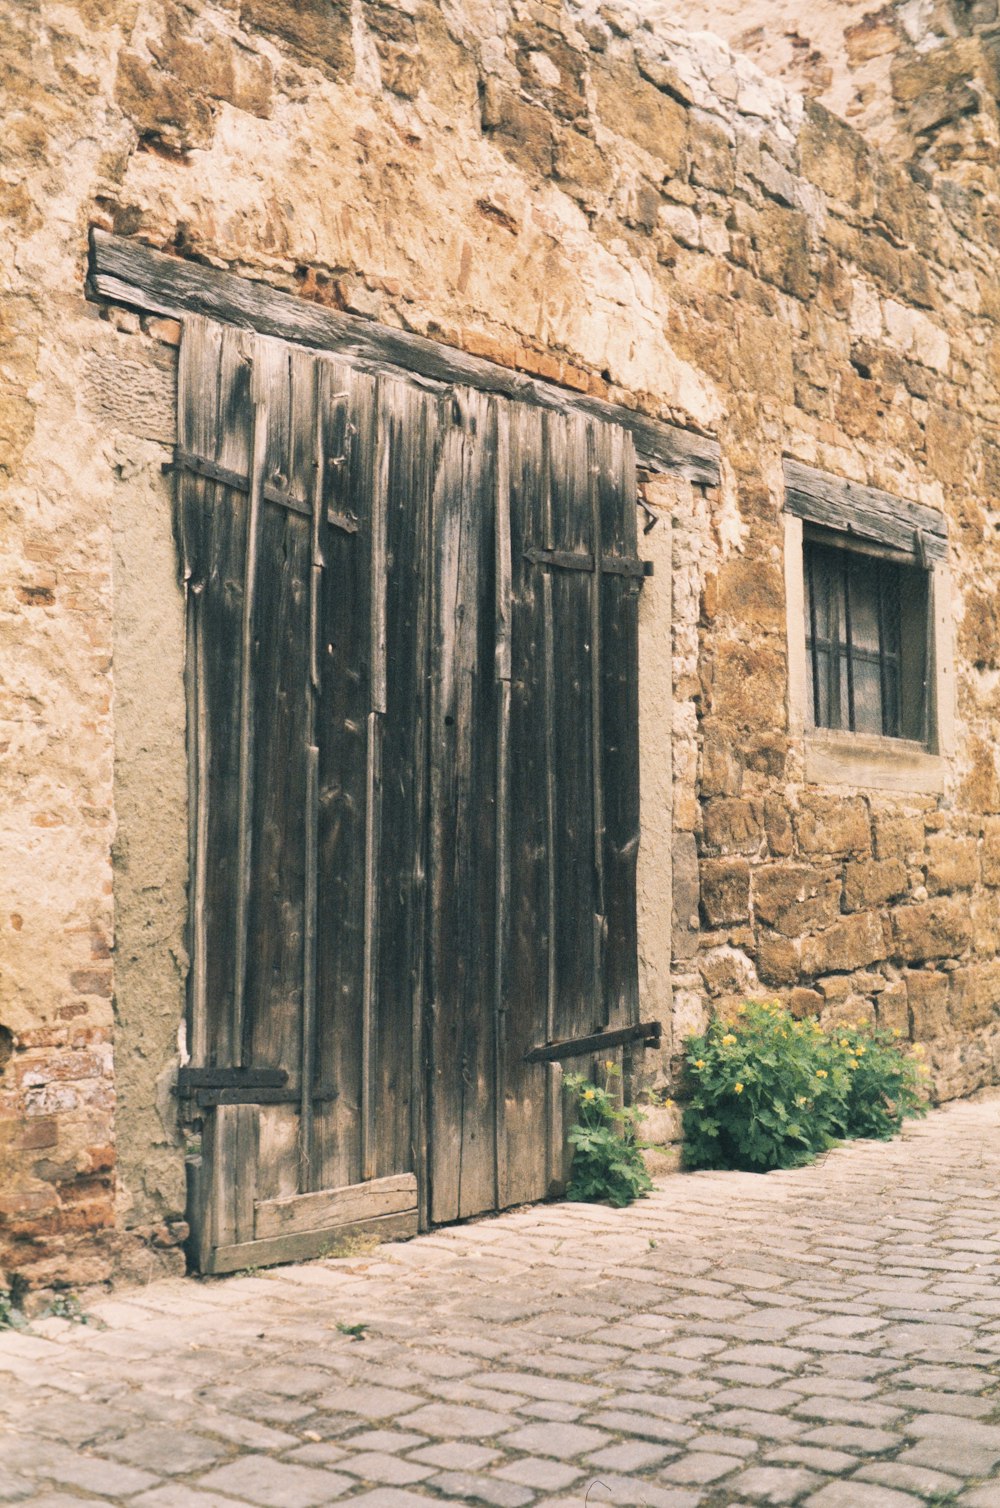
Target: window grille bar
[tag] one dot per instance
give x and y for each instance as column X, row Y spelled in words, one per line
column 814, row 640
column 848, row 640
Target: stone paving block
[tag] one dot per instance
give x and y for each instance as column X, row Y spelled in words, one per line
column 380, row 1466
column 565, row 1413
column 907, row 1478
column 390, row 1497
column 699, row 1467
column 368, row 1402
column 643, row 1425
column 179, row 1495
column 95, row 1474
column 774, row 1484
column 753, row 1422
column 477, row 1489
column 167, row 1452
column 386, row 1439
column 456, row 1420
column 456, row 1455
column 629, row 1455
column 847, row 1411
column 277, row 1484
column 316, row 1453
column 986, row 1496
column 852, row 1494
column 560, row 1440
column 539, row 1473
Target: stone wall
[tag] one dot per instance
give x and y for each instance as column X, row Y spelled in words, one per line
column 631, row 212
column 918, row 78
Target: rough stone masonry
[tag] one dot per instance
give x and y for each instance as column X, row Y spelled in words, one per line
column 619, row 206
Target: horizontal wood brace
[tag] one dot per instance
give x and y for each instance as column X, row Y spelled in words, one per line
column 576, row 1047
column 298, row 1246
column 189, row 1079
column 393, row 1195
column 583, row 560
column 819, row 497
column 240, row 482
column 124, row 271
column 207, row 1099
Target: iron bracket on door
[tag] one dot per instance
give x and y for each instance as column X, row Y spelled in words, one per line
column 204, row 1088
column 648, row 1032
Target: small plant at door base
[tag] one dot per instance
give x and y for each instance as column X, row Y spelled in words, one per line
column 768, row 1091
column 607, row 1158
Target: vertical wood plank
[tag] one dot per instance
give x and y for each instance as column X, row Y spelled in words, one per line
column 197, row 419
column 502, row 596
column 619, row 746
column 342, row 736
column 596, row 726
column 259, row 398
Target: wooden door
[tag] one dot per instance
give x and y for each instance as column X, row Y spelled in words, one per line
column 534, row 807
column 414, row 800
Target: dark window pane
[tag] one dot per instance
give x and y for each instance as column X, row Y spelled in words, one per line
column 865, row 673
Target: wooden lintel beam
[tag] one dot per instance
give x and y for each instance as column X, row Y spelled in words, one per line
column 124, row 271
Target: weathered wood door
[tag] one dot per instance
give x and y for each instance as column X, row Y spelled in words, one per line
column 414, row 799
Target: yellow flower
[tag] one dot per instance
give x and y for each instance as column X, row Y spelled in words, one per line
column 859, row 1052
column 737, row 1088
column 821, row 1073
column 699, row 1062
column 919, row 1050
column 728, row 1040
column 741, row 1010
column 852, row 1063
column 844, row 1042
column 609, row 1064
column 896, row 1032
column 588, row 1094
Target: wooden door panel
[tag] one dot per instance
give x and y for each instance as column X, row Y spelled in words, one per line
column 414, row 819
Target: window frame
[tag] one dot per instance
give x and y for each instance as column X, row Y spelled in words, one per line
column 838, row 756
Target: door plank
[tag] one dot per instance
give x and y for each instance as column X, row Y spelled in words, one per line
column 342, row 737
column 329, row 1207
column 304, row 1245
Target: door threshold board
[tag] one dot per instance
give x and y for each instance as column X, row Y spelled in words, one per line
column 304, row 1245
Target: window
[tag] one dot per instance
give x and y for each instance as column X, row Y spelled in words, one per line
column 866, row 641
column 870, row 660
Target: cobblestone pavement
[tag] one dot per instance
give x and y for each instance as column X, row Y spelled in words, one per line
column 827, row 1336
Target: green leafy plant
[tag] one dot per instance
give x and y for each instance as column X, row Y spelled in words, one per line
column 11, row 1317
column 767, row 1091
column 607, row 1158
column 884, row 1082
column 67, row 1306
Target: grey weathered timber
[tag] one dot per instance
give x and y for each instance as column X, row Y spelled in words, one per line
column 127, row 272
column 328, row 1207
column 415, row 779
column 596, row 1042
column 301, row 1245
column 821, row 498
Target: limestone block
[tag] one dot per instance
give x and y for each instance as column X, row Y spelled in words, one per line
column 872, row 882
column 897, row 835
column 803, row 1002
column 778, row 959
column 217, row 68
column 975, row 995
column 731, row 825
column 832, row 825
column 927, row 993
column 990, row 856
column 795, row 898
column 524, row 132
column 721, row 772
column 892, row 1011
column 631, row 106
column 685, row 895
column 725, row 891
column 851, row 943
column 746, row 680
column 979, row 631
column 952, row 863
column 727, row 971
column 939, row 928
column 752, row 592
column 317, row 32
column 985, row 912
column 162, row 109
column 778, row 826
